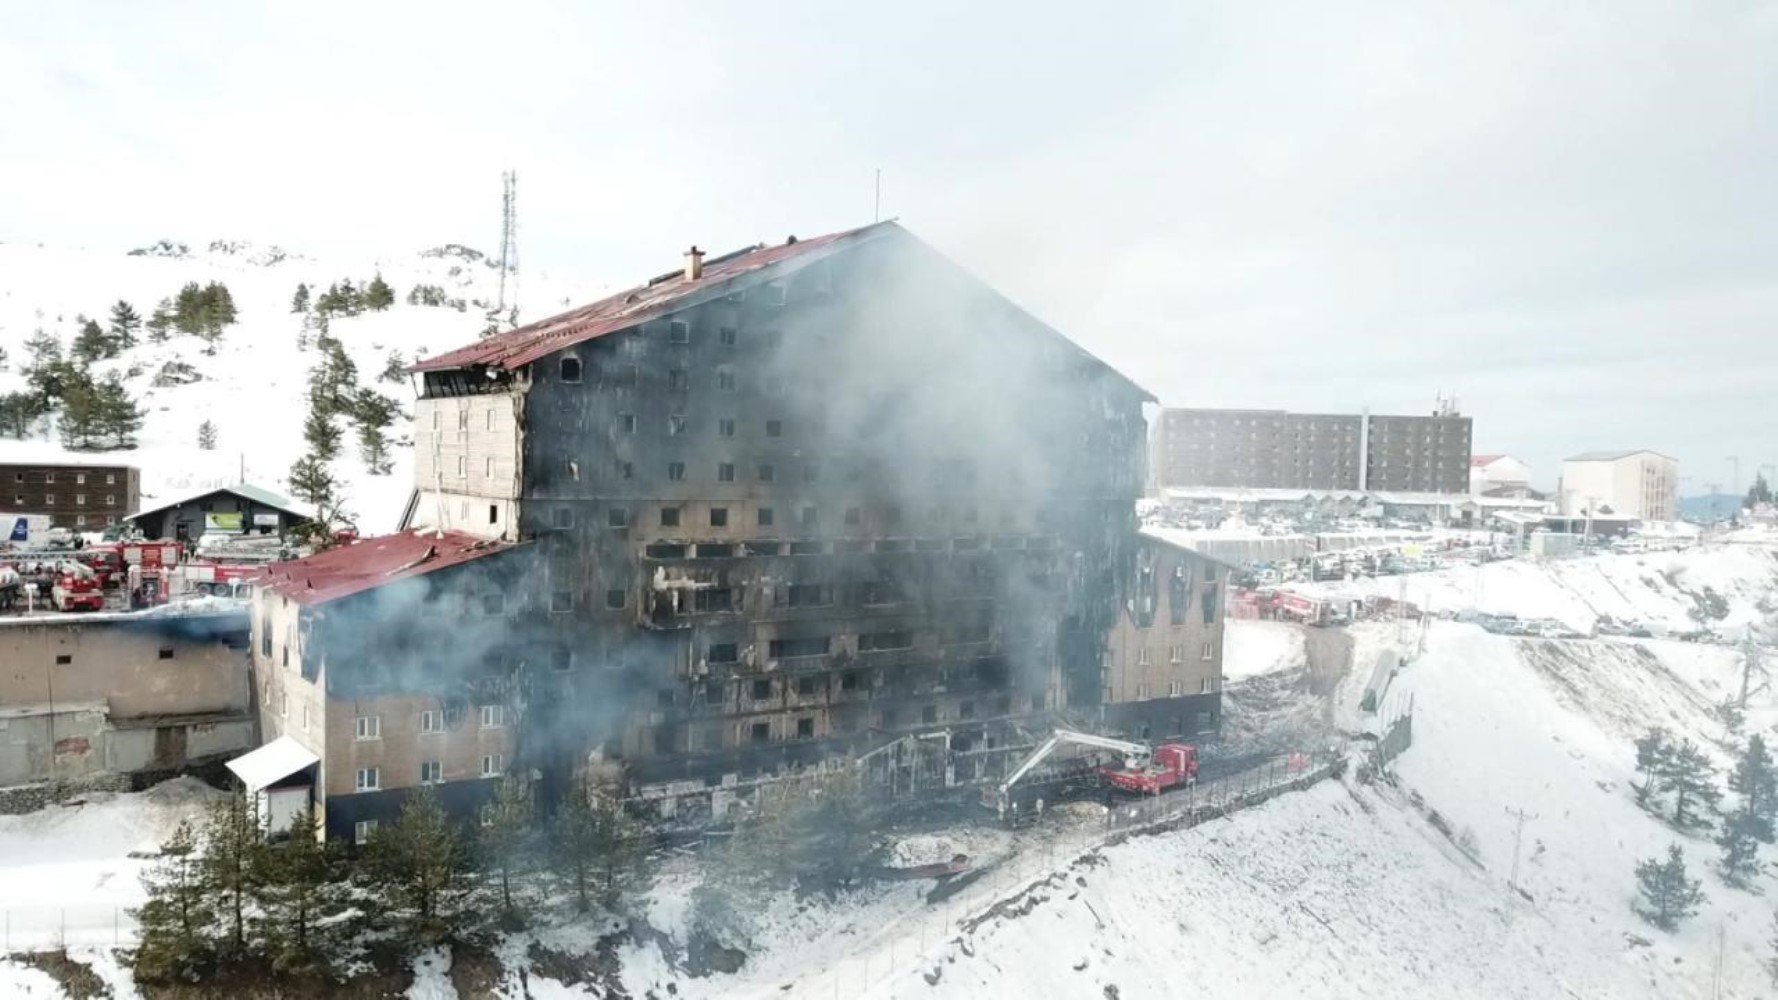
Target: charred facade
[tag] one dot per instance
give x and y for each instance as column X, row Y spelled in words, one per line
column 793, row 503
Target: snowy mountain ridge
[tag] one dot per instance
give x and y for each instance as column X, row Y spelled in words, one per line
column 252, row 383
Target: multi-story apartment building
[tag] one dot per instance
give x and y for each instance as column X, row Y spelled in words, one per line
column 793, row 502
column 1640, row 483
column 1166, row 647
column 1273, row 449
column 80, row 497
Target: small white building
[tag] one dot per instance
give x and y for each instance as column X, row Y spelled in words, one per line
column 1641, row 484
column 1498, row 474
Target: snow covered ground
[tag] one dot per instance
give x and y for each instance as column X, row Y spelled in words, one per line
column 1251, row 648
column 254, row 387
column 1657, row 588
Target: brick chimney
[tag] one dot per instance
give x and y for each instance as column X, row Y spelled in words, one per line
column 694, row 264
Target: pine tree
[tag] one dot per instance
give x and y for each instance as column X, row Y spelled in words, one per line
column 311, row 481
column 161, row 322
column 378, row 296
column 319, row 430
column 598, row 850
column 1667, row 896
column 1692, row 779
column 188, row 309
column 18, row 413
column 83, row 409
column 1740, row 848
column 207, row 436
column 91, row 344
column 394, row 369
column 506, row 840
column 1772, row 960
column 1760, row 492
column 300, row 893
column 299, row 302
column 418, row 865
column 174, row 920
column 1653, row 753
column 230, row 864
column 124, row 324
column 1756, row 781
column 374, row 412
column 119, row 418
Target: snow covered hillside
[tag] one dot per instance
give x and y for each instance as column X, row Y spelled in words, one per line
column 253, row 388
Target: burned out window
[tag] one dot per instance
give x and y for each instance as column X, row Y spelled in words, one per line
column 725, row 380
column 871, row 642
column 714, row 600
column 850, row 681
column 714, row 693
column 966, row 710
column 570, row 369
column 715, row 550
column 723, row 652
column 719, row 517
column 625, row 470
column 806, row 595
column 806, row 548
column 1209, row 604
column 761, row 690
column 929, row 715
column 664, row 550
column 805, row 686
column 562, row 658
column 676, row 424
column 614, row 598
column 669, row 517
column 767, row 473
column 725, row 427
column 781, row 649
column 561, row 601
column 760, row 732
column 626, row 423
column 805, row 728
column 675, row 471
column 727, row 336
column 774, row 428
column 678, row 379
column 765, row 516
column 725, row 472
column 679, row 332
column 617, row 517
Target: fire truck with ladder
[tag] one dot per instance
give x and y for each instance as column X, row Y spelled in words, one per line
column 1145, row 771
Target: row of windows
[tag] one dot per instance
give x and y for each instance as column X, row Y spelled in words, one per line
column 1175, row 689
column 79, row 478
column 370, row 779
column 1176, row 654
column 18, row 499
column 370, row 727
column 808, row 516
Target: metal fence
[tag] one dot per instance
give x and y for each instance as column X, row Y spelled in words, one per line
column 51, row 927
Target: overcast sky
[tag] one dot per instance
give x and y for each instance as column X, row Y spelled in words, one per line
column 1566, row 214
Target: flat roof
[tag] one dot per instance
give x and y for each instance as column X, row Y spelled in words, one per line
column 272, row 763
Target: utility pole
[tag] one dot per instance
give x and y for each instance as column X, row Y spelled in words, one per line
column 876, row 212
column 1518, row 838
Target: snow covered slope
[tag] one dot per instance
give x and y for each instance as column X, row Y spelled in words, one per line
column 253, row 387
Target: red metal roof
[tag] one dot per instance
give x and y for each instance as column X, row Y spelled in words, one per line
column 373, row 562
column 521, row 346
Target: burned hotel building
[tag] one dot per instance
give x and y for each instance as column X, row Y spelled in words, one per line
column 770, row 509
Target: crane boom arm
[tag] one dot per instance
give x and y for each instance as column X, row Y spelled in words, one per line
column 1060, row 737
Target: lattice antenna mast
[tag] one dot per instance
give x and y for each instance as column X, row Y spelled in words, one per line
column 508, row 309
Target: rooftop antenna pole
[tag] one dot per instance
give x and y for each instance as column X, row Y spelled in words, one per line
column 876, row 213
column 508, row 312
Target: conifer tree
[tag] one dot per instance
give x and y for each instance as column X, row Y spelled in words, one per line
column 505, row 843
column 378, row 296
column 300, row 301
column 374, row 412
column 124, row 324
column 230, row 862
column 1653, row 752
column 18, row 413
column 119, row 417
column 83, row 409
column 419, row 866
column 1667, row 896
column 1740, row 848
column 174, row 920
column 394, row 369
column 92, row 343
column 207, row 436
column 300, row 892
column 1692, row 779
column 188, row 309
column 311, row 481
column 1756, row 781
column 161, row 322
column 319, row 430
column 598, row 851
